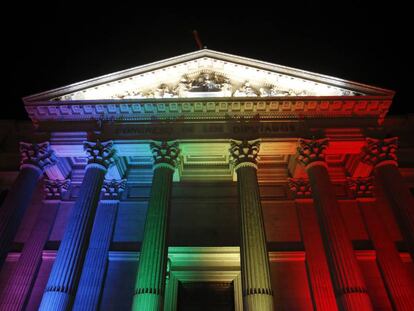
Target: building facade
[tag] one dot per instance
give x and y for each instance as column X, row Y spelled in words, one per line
column 208, row 181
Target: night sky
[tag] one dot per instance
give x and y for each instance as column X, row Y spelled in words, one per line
column 48, row 46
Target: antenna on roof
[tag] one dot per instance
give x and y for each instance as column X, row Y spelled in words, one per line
column 198, row 40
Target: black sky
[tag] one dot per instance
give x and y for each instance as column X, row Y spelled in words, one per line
column 48, row 46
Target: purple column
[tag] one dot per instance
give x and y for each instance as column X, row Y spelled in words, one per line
column 96, row 260
column 35, row 157
column 63, row 280
column 349, row 284
column 18, row 285
column 254, row 258
column 381, row 154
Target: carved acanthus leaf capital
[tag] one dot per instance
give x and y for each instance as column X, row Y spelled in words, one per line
column 100, row 152
column 39, row 155
column 112, row 189
column 244, row 152
column 54, row 189
column 165, row 153
column 379, row 150
column 311, row 150
column 361, row 187
column 300, row 188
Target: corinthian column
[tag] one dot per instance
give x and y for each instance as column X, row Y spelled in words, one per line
column 34, row 159
column 254, row 258
column 397, row 279
column 322, row 290
column 94, row 267
column 348, row 282
column 381, row 154
column 63, row 279
column 150, row 281
column 18, row 285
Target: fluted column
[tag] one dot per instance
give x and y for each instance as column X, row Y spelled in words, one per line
column 150, row 281
column 96, row 260
column 254, row 258
column 381, row 154
column 34, row 159
column 63, row 279
column 398, row 281
column 18, row 285
column 320, row 280
column 347, row 279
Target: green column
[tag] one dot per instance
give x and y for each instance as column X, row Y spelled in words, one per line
column 254, row 259
column 150, row 281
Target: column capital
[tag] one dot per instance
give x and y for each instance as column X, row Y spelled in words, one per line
column 54, row 189
column 378, row 152
column 112, row 189
column 361, row 187
column 244, row 152
column 165, row 153
column 300, row 188
column 100, row 152
column 38, row 155
column 312, row 151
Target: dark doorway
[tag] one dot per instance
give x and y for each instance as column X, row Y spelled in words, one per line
column 205, row 296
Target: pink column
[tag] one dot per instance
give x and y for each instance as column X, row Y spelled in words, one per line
column 381, row 154
column 17, row 288
column 316, row 263
column 35, row 157
column 397, row 279
column 349, row 285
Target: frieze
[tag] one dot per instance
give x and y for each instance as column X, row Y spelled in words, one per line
column 203, row 109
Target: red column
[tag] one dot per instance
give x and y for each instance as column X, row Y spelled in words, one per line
column 381, row 154
column 399, row 284
column 322, row 290
column 349, row 285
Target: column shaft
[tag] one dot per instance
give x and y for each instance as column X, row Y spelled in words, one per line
column 257, row 288
column 96, row 260
column 18, row 286
column 150, row 283
column 347, row 278
column 321, row 284
column 396, row 276
column 15, row 205
column 62, row 283
column 401, row 199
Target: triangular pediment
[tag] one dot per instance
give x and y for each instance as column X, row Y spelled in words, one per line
column 207, row 73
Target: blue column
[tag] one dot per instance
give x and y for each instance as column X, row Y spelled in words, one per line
column 63, row 280
column 94, row 267
column 35, row 158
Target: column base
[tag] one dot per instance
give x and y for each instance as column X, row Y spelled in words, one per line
column 355, row 302
column 147, row 302
column 55, row 301
column 257, row 302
